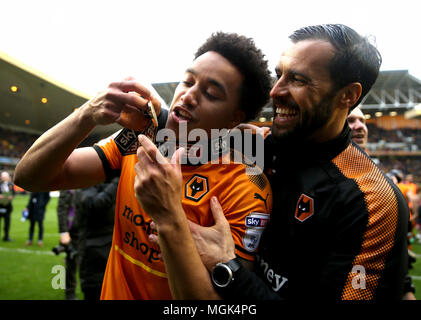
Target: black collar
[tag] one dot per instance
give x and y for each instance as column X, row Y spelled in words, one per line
column 304, row 151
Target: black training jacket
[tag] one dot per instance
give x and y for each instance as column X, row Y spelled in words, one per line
column 338, row 228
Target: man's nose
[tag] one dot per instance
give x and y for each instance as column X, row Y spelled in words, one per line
column 358, row 125
column 280, row 88
column 189, row 97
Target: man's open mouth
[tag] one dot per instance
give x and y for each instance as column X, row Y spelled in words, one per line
column 182, row 115
column 286, row 113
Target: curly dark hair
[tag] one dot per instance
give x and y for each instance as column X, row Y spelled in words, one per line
column 249, row 60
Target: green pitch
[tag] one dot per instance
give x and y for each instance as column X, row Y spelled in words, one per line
column 26, row 273
column 415, row 272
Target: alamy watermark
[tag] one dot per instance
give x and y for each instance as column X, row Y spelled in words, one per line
column 359, row 277
column 202, row 149
column 59, row 280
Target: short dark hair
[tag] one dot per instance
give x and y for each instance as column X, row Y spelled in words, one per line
column 355, row 60
column 249, row 60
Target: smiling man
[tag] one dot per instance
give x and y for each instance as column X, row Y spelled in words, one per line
column 339, row 227
column 228, row 82
column 357, row 123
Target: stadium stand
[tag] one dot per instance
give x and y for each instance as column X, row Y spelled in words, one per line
column 394, row 137
column 14, row 143
column 392, row 108
column 394, row 123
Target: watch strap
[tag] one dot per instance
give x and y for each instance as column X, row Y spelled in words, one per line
column 230, row 267
column 233, row 264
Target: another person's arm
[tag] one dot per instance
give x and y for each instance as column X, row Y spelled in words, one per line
column 215, row 244
column 62, row 216
column 158, row 188
column 95, row 199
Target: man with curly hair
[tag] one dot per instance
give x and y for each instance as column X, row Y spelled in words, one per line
column 227, row 83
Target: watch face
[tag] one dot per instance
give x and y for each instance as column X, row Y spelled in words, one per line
column 221, row 275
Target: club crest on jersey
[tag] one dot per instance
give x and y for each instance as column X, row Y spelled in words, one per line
column 305, row 208
column 196, row 187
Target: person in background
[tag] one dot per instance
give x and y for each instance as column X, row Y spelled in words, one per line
column 66, row 213
column 410, row 193
column 95, row 210
column 409, row 289
column 6, row 197
column 413, row 191
column 36, row 212
column 357, row 123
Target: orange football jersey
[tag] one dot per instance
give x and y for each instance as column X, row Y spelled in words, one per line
column 134, row 270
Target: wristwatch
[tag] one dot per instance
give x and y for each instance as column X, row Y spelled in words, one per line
column 223, row 273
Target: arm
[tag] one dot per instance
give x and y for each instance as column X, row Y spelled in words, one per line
column 409, row 289
column 12, row 195
column 30, row 205
column 52, row 163
column 100, row 201
column 158, row 188
column 215, row 244
column 368, row 257
column 187, row 276
column 62, row 211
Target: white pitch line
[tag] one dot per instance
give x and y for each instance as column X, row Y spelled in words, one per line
column 18, row 250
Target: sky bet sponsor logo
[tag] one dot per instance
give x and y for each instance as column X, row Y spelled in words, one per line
column 125, row 139
column 255, row 224
column 257, row 220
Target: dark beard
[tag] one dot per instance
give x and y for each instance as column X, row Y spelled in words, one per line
column 312, row 122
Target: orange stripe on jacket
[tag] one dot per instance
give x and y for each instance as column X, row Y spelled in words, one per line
column 382, row 221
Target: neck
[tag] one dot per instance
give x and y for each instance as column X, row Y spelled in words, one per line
column 331, row 129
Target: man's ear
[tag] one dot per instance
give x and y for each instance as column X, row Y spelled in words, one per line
column 349, row 95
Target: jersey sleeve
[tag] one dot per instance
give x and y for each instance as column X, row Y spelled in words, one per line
column 247, row 207
column 368, row 257
column 383, row 235
column 110, row 156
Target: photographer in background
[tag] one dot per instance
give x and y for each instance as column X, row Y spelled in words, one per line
column 95, row 210
column 66, row 213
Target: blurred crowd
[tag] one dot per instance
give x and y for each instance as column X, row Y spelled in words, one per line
column 408, row 165
column 400, row 139
column 13, row 144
